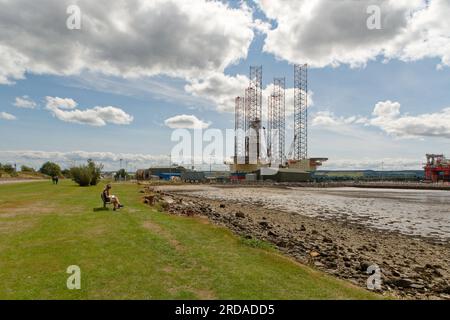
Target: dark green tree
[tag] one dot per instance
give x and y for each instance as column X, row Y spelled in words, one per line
column 51, row 169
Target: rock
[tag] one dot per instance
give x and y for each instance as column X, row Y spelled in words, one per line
column 222, row 206
column 327, row 240
column 437, row 273
column 314, row 232
column 302, row 228
column 332, row 265
column 395, row 273
column 318, row 264
column 364, row 265
column 264, row 224
column 348, row 264
column 240, row 214
column 272, row 234
column 417, row 286
column 401, row 283
column 446, row 290
column 314, row 254
column 282, row 244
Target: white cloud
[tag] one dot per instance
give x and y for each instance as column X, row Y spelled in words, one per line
column 424, row 125
column 325, row 32
column 24, row 102
column 186, row 122
column 60, row 103
column 97, row 116
column 111, row 160
column 329, row 119
column 7, row 116
column 130, row 38
column 388, row 118
column 220, row 89
column 387, row 109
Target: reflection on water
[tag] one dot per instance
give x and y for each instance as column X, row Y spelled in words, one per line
column 413, row 212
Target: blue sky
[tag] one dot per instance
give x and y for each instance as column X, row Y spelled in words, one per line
column 420, row 84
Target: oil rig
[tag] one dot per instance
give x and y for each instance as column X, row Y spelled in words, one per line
column 260, row 151
column 437, row 168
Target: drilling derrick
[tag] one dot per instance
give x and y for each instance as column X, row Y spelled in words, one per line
column 239, row 125
column 301, row 112
column 280, row 115
column 276, row 124
column 253, row 115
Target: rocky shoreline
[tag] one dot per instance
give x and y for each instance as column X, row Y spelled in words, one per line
column 411, row 267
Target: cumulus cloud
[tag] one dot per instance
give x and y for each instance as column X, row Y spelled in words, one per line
column 222, row 89
column 387, row 116
column 66, row 159
column 7, row 116
column 24, row 102
column 60, row 103
column 389, row 119
column 131, row 38
column 184, row 121
column 325, row 32
column 329, row 119
column 64, row 110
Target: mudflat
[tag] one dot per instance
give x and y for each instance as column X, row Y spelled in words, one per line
column 343, row 231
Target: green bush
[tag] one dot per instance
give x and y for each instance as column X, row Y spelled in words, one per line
column 26, row 169
column 7, row 168
column 86, row 175
column 51, row 169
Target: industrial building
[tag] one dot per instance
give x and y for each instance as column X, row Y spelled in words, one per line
column 261, row 150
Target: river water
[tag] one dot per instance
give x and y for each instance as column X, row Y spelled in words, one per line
column 413, row 212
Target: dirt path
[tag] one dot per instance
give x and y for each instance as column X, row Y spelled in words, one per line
column 20, row 181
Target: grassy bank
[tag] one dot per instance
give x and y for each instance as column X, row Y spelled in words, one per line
column 137, row 253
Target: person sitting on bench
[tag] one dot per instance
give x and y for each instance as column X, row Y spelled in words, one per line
column 111, row 198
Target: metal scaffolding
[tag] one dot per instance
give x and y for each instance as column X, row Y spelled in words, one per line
column 239, row 125
column 256, row 97
column 300, row 112
column 276, row 124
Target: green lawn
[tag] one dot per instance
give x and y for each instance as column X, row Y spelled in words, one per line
column 136, row 253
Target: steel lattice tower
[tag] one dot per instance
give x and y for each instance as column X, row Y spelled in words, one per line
column 276, row 124
column 256, row 84
column 270, row 123
column 300, row 112
column 253, row 112
column 239, row 125
column 280, row 114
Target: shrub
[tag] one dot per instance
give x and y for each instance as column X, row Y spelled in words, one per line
column 26, row 169
column 7, row 168
column 51, row 169
column 66, row 173
column 121, row 175
column 86, row 175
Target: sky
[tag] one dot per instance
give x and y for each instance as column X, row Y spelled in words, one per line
column 111, row 80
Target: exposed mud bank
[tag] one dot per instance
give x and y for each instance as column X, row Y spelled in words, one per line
column 412, row 267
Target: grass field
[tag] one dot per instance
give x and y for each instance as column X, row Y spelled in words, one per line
column 137, row 253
